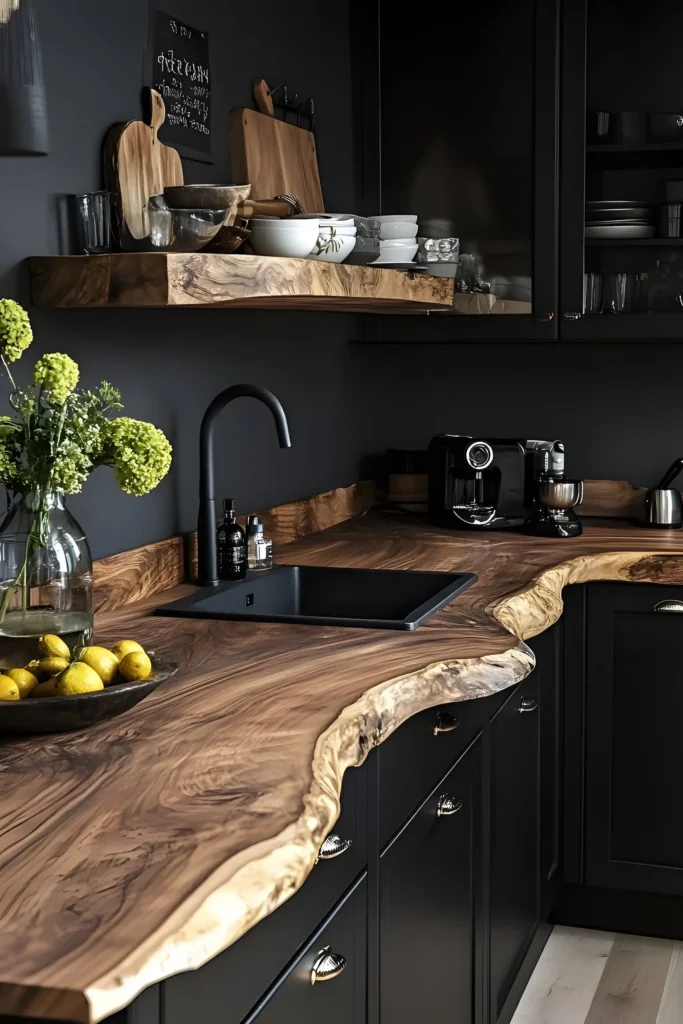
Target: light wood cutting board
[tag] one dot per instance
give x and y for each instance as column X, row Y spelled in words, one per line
column 276, row 158
column 137, row 166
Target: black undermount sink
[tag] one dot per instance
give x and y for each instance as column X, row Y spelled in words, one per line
column 318, row 595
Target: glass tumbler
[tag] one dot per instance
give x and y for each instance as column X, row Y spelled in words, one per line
column 592, row 293
column 622, row 292
column 93, row 221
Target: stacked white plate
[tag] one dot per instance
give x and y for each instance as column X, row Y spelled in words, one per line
column 397, row 241
column 612, row 218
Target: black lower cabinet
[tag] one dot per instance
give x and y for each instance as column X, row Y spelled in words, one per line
column 634, row 731
column 429, row 903
column 515, row 838
column 328, row 982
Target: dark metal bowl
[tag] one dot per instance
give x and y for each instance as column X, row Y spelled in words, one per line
column 33, row 715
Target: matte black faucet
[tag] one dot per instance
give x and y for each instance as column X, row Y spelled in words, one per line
column 207, row 555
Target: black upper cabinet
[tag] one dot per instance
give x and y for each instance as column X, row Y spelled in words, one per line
column 430, row 879
column 515, row 836
column 634, row 724
column 620, row 64
column 468, row 135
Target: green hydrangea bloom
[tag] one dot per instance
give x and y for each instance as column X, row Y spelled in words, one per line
column 70, row 469
column 141, row 454
column 58, row 374
column 8, row 467
column 15, row 330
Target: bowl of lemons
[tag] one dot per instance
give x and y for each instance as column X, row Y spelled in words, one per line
column 61, row 690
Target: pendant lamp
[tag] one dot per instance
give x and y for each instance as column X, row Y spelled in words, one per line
column 23, row 114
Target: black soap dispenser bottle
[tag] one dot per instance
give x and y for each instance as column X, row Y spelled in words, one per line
column 232, row 545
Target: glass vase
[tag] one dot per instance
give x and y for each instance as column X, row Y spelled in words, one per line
column 45, row 576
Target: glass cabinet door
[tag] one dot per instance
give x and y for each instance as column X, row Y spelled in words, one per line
column 622, row 162
column 467, row 140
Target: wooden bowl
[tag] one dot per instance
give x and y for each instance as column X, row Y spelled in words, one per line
column 34, row 715
column 207, row 197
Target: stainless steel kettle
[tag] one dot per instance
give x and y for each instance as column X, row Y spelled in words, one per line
column 663, row 506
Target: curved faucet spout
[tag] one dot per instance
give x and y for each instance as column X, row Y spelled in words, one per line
column 207, row 555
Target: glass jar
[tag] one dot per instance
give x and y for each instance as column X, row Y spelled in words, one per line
column 45, row 575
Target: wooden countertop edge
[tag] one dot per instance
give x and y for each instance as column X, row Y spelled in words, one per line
column 252, row 884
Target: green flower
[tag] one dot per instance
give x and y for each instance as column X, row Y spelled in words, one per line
column 58, row 374
column 140, row 452
column 8, row 466
column 15, row 330
column 70, row 469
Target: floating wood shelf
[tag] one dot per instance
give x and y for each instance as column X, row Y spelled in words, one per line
column 208, row 279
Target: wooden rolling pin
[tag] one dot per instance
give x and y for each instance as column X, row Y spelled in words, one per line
column 264, row 208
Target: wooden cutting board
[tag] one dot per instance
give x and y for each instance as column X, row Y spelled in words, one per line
column 137, row 166
column 275, row 157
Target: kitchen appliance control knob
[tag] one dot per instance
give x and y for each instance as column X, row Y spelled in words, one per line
column 327, row 966
column 479, row 455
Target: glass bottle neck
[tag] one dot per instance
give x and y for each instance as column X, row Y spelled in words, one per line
column 34, row 500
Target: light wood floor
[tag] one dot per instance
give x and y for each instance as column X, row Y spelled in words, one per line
column 586, row 977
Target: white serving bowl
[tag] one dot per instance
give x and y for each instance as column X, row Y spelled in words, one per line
column 389, row 218
column 342, row 222
column 288, row 237
column 398, row 254
column 332, row 246
column 397, row 229
column 392, row 243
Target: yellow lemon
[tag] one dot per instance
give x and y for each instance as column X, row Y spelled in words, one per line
column 123, row 647
column 102, row 661
column 8, row 688
column 51, row 666
column 78, row 678
column 50, row 644
column 48, row 688
column 135, row 666
column 26, row 681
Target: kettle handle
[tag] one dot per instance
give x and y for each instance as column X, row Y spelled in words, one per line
column 671, row 474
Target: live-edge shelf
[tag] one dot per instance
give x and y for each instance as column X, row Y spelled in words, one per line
column 209, row 279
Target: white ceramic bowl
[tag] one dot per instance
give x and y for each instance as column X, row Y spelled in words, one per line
column 397, row 254
column 288, row 237
column 340, row 221
column 389, row 218
column 396, row 229
column 392, row 243
column 332, row 246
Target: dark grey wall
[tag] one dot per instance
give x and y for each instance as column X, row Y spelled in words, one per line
column 169, row 364
column 616, row 407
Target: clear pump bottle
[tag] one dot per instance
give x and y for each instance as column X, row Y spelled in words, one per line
column 259, row 547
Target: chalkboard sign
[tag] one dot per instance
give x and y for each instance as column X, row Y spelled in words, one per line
column 180, row 71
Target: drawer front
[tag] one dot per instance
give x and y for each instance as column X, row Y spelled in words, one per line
column 337, row 958
column 228, row 986
column 419, row 753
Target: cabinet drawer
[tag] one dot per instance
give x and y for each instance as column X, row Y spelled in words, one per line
column 232, row 983
column 339, row 998
column 420, row 752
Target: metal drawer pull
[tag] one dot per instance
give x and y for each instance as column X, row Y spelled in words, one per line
column 327, row 966
column 669, row 606
column 333, row 847
column 529, row 704
column 445, row 723
column 447, row 805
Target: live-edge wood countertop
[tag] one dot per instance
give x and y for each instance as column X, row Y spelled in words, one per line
column 145, row 846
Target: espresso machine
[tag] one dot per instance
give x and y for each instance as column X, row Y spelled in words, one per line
column 550, row 496
column 476, row 482
column 502, row 483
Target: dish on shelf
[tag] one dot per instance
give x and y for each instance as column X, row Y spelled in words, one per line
column 179, row 230
column 620, row 231
column 333, row 244
column 398, row 253
column 389, row 218
column 398, row 229
column 290, row 237
column 206, row 197
column 619, row 213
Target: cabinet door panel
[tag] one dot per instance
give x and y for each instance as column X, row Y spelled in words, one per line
column 337, row 1000
column 634, row 834
column 515, row 816
column 428, row 891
